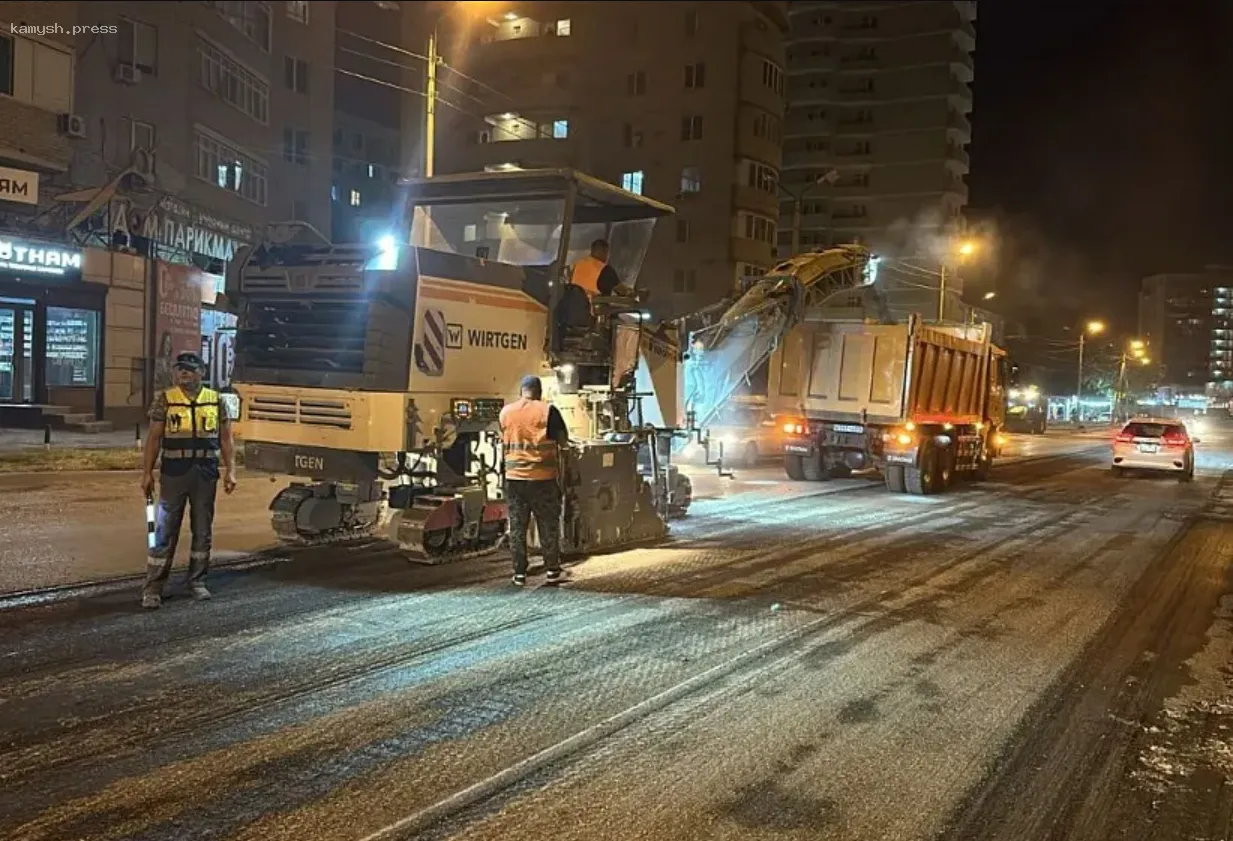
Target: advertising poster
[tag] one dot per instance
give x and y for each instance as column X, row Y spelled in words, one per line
column 177, row 325
column 218, row 346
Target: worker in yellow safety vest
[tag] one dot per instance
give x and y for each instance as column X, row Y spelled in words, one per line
column 593, row 273
column 532, row 430
column 190, row 429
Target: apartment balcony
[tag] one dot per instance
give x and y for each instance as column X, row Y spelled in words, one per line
column 494, row 49
column 957, row 153
column 752, row 251
column 861, row 93
column 458, row 157
column 765, row 42
column 959, row 123
column 745, row 197
column 855, row 128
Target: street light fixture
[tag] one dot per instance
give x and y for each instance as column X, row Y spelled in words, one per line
column 989, row 296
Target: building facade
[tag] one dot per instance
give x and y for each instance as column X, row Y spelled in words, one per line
column 681, row 102
column 876, row 133
column 227, row 105
column 1187, row 320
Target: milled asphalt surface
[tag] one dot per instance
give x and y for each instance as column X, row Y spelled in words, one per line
column 1042, row 656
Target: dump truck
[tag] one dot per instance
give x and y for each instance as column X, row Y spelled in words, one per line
column 924, row 404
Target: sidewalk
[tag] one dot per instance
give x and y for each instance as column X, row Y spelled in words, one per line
column 67, row 528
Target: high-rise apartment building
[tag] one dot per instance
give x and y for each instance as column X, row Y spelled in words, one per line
column 227, row 105
column 1187, row 320
column 875, row 134
column 368, row 104
column 682, row 102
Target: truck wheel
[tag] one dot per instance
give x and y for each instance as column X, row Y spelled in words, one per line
column 893, row 474
column 814, row 468
column 944, row 470
column 792, row 466
column 921, row 481
column 981, row 473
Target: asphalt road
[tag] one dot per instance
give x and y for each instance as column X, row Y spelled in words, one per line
column 1040, row 657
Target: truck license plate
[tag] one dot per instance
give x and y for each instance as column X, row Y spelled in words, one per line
column 796, row 448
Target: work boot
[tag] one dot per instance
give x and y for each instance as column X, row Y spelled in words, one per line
column 151, row 601
column 520, row 580
column 200, row 593
column 554, row 577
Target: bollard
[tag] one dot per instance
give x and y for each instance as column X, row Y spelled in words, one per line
column 47, row 436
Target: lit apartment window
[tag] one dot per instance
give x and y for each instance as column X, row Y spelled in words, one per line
column 682, row 230
column 221, row 162
column 691, row 128
column 355, row 198
column 298, row 10
column 295, row 74
column 695, row 75
column 295, row 146
column 247, row 16
column 563, row 28
column 635, row 83
column 691, row 180
column 560, row 129
column 233, row 83
column 36, row 73
column 138, row 45
column 333, row 192
column 632, row 181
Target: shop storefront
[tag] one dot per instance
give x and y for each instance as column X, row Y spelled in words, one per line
column 51, row 327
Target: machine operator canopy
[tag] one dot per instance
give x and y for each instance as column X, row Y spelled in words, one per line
column 522, row 217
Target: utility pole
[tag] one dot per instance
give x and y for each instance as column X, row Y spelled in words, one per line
column 1079, row 385
column 942, row 294
column 430, row 107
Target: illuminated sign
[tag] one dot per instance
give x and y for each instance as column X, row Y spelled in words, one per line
column 32, row 258
column 18, row 185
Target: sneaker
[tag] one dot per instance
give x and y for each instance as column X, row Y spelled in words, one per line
column 520, row 580
column 151, row 601
column 554, row 577
column 200, row 593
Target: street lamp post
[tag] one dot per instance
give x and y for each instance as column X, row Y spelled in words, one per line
column 798, row 199
column 1095, row 328
column 966, row 249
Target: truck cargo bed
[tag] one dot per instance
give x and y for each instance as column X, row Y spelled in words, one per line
column 880, row 373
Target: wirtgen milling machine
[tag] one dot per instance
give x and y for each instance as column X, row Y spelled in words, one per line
column 374, row 376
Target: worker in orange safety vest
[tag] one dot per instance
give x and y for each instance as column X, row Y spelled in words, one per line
column 531, row 432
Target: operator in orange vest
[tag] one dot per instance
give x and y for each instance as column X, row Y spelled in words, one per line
column 531, row 432
column 594, row 274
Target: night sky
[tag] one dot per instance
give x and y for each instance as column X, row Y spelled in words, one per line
column 1101, row 149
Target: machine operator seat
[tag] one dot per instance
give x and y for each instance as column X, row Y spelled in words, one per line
column 577, row 328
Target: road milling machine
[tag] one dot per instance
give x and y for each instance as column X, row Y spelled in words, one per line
column 373, row 375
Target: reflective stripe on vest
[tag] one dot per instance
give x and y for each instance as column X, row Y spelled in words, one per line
column 191, row 430
column 529, row 454
column 586, row 275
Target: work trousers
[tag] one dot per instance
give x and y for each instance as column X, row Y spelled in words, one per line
column 195, row 490
column 543, row 500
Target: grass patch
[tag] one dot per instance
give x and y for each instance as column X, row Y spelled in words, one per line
column 70, row 458
column 78, row 458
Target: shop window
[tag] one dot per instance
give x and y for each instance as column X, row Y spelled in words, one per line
column 72, row 347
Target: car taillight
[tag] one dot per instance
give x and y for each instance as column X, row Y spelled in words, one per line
column 1176, row 439
column 1124, row 438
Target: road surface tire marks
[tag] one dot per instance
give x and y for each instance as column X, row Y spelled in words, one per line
column 914, row 597
column 1067, row 774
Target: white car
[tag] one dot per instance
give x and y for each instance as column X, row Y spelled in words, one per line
column 1159, row 444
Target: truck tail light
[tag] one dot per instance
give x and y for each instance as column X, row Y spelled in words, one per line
column 793, row 427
